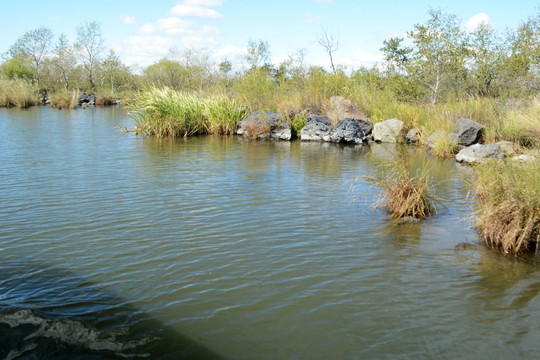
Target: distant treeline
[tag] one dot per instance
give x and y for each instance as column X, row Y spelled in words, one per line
column 437, row 61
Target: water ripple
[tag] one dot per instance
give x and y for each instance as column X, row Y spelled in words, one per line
column 114, row 245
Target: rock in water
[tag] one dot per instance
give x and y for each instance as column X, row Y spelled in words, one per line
column 265, row 124
column 348, row 131
column 478, row 153
column 316, row 129
column 413, row 136
column 388, row 131
column 469, row 132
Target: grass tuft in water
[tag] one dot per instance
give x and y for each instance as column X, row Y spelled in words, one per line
column 166, row 112
column 508, row 206
column 405, row 195
column 65, row 99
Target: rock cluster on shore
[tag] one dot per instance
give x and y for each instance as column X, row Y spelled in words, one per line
column 345, row 123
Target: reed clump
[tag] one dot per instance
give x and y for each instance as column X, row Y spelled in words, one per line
column 405, row 194
column 106, row 99
column 508, row 205
column 166, row 112
column 18, row 93
column 65, row 99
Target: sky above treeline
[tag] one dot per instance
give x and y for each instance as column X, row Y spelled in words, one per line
column 142, row 32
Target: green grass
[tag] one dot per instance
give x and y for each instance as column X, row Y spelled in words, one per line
column 508, row 207
column 18, row 93
column 166, row 112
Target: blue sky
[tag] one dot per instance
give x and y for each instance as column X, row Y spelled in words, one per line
column 142, row 32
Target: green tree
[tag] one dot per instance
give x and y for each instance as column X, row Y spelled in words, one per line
column 166, row 73
column 17, row 68
column 32, row 46
column 439, row 53
column 64, row 59
column 522, row 66
column 396, row 55
column 225, row 67
column 486, row 54
column 90, row 46
column 115, row 74
column 258, row 53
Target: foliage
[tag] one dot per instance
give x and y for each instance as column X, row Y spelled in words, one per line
column 17, row 68
column 64, row 60
column 32, row 46
column 115, row 75
column 90, row 45
column 258, row 53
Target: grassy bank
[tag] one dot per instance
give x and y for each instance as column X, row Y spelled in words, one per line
column 18, row 93
column 165, row 112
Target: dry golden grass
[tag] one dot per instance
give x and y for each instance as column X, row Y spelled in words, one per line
column 405, row 195
column 508, row 207
column 65, row 99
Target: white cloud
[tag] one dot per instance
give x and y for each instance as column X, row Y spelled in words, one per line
column 173, row 25
column 229, row 51
column 210, row 30
column 196, row 41
column 362, row 58
column 358, row 59
column 203, row 2
column 476, row 20
column 194, row 11
column 312, row 18
column 145, row 50
column 147, row 29
column 127, row 19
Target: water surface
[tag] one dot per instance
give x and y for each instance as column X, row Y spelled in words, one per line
column 123, row 246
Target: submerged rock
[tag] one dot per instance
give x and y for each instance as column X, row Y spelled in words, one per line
column 265, row 125
column 465, row 246
column 413, row 136
column 469, row 132
column 388, row 131
column 317, row 127
column 348, row 131
column 478, row 153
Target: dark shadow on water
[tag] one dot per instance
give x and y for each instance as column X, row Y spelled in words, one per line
column 51, row 313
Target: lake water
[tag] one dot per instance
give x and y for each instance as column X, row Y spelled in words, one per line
column 121, row 246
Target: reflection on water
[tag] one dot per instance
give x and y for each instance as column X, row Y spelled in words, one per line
column 115, row 245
